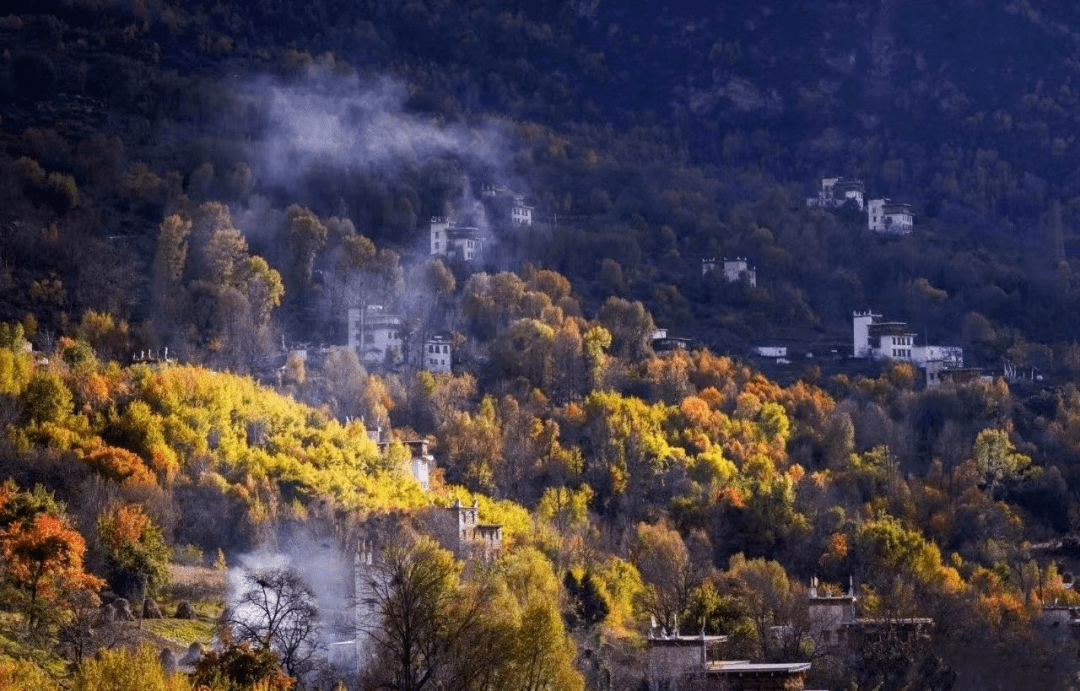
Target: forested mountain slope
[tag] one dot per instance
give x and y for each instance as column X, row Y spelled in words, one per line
column 963, row 111
column 212, row 186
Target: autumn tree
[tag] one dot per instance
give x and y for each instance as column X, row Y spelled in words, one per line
column 25, row 674
column 413, row 592
column 47, row 398
column 277, row 611
column 204, row 272
column 664, row 562
column 42, row 555
column 626, row 450
column 137, row 554
column 170, row 258
column 349, row 268
column 120, row 465
column 997, row 460
column 567, row 510
column 474, row 446
column 16, row 365
column 773, row 603
column 238, row 666
column 630, row 325
column 509, row 633
column 541, row 652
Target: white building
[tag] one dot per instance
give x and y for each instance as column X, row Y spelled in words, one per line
column 892, row 340
column 771, row 351
column 451, row 240
column 521, row 214
column 437, row 354
column 376, row 335
column 368, row 579
column 836, row 192
column 735, row 269
column 861, row 322
column 886, row 217
column 708, row 265
column 879, row 340
column 420, row 460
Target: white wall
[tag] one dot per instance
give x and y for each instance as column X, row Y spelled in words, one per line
column 440, row 236
column 437, row 356
column 860, row 323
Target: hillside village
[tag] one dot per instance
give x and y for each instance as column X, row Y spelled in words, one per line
column 826, row 629
column 833, row 631
column 501, row 345
column 882, row 215
column 380, row 337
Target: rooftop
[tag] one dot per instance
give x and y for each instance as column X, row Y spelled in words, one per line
column 735, row 667
column 678, row 639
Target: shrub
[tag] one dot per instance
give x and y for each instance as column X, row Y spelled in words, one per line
column 121, row 670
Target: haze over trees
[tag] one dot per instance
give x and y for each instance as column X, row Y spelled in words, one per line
column 193, row 194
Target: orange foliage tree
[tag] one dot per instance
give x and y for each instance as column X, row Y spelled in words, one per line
column 120, row 465
column 43, row 561
column 138, row 555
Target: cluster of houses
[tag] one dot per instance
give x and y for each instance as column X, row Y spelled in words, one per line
column 379, row 336
column 379, row 339
column 456, row 239
column 873, row 338
column 883, row 215
column 834, row 631
column 734, row 270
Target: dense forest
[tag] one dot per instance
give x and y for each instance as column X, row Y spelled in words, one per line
column 193, row 195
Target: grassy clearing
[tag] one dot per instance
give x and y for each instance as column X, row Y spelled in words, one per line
column 205, row 589
column 180, row 633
